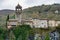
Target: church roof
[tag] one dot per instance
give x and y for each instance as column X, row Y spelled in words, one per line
column 18, row 6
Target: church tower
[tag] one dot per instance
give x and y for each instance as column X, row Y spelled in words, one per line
column 18, row 10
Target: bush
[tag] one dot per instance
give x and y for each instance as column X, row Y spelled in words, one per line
column 47, row 37
column 21, row 30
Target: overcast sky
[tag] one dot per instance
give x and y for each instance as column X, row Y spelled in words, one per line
column 10, row 4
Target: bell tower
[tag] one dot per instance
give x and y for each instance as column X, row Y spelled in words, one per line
column 18, row 10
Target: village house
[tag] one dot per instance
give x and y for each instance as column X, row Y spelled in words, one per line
column 57, row 22
column 40, row 23
column 52, row 23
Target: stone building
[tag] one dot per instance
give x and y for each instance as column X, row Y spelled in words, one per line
column 18, row 18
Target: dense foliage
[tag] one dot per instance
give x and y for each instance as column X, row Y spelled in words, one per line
column 47, row 37
column 22, row 31
column 2, row 33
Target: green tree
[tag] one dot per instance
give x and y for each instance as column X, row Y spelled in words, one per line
column 7, row 18
column 21, row 31
column 47, row 37
column 2, row 33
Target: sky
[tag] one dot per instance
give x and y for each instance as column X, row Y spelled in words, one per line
column 10, row 4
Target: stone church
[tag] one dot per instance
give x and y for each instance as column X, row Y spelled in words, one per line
column 18, row 18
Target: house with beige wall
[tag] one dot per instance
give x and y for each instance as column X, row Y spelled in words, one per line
column 57, row 22
column 52, row 23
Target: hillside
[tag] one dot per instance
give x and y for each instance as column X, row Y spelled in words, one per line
column 6, row 11
column 44, row 11
column 43, row 8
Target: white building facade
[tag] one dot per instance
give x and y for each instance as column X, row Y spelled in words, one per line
column 40, row 23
